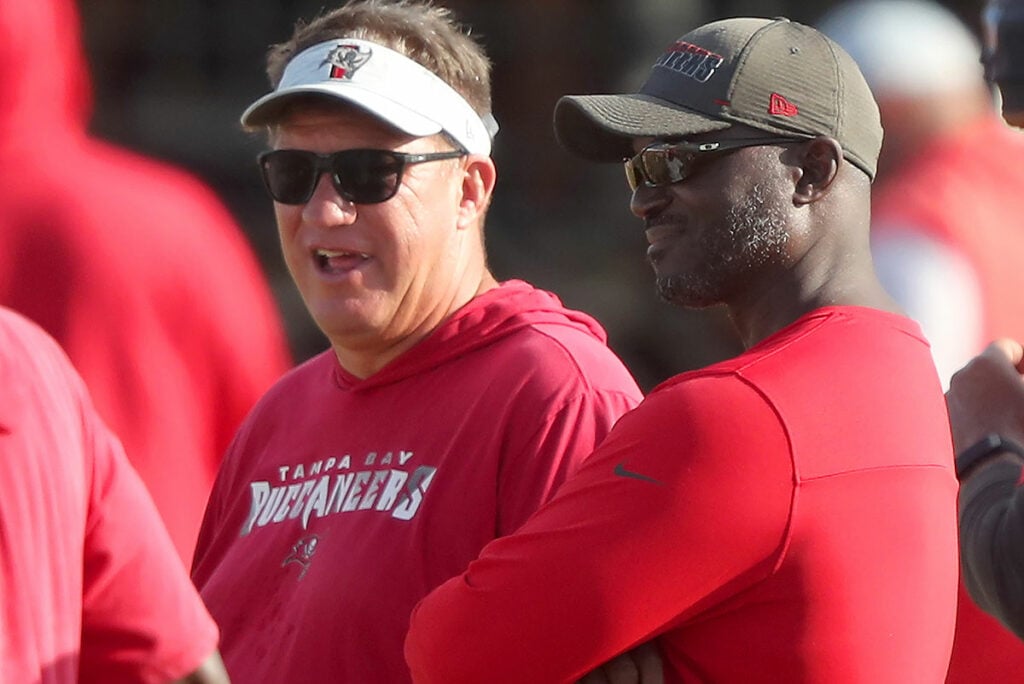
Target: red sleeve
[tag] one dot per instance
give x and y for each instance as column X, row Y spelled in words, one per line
column 142, row 620
column 552, row 451
column 630, row 547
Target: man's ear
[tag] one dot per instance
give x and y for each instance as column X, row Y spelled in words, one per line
column 478, row 181
column 818, row 166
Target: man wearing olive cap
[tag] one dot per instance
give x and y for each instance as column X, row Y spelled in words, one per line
column 787, row 515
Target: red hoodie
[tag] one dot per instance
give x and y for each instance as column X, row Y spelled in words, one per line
column 135, row 267
column 343, row 501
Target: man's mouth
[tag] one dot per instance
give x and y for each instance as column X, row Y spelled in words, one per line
column 335, row 261
column 660, row 232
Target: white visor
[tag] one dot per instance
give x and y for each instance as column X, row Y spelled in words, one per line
column 386, row 84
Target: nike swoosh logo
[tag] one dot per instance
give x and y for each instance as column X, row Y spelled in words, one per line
column 621, row 471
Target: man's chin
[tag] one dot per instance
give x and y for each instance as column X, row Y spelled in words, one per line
column 678, row 292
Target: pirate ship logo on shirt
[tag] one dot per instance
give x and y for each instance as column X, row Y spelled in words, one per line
column 302, row 553
column 346, row 59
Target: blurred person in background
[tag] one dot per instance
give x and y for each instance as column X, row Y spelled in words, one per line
column 986, row 400
column 91, row 589
column 449, row 406
column 947, row 219
column 986, row 411
column 136, row 268
column 948, row 210
column 1003, row 33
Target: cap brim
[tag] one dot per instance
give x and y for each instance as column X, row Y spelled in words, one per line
column 602, row 127
column 270, row 107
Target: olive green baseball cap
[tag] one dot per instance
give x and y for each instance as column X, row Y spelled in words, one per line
column 774, row 75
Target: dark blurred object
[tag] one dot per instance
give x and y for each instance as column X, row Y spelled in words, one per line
column 1003, row 54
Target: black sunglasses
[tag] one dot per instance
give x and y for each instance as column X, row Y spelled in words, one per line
column 664, row 163
column 360, row 176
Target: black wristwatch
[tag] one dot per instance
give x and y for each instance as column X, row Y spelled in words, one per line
column 990, row 445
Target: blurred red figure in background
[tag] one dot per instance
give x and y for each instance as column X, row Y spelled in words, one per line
column 135, row 267
column 946, row 219
column 81, row 543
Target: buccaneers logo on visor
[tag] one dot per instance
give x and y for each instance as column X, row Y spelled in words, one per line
column 345, row 59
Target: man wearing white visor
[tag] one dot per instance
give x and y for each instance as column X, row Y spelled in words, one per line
column 449, row 405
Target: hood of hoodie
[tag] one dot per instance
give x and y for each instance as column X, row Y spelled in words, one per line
column 43, row 72
column 494, row 314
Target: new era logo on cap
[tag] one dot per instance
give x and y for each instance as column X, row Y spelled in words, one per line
column 781, row 106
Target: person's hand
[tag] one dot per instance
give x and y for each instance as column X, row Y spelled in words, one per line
column 642, row 665
column 987, row 395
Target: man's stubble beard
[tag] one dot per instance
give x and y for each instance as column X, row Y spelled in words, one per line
column 755, row 235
